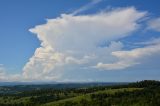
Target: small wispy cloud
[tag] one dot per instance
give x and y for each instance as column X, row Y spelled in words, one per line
column 86, row 7
column 154, row 24
column 130, row 58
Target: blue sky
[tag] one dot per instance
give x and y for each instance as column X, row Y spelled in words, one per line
column 55, row 40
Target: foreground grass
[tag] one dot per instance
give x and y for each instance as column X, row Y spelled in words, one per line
column 87, row 96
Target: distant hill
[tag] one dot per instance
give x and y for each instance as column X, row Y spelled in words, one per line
column 24, row 83
column 13, row 87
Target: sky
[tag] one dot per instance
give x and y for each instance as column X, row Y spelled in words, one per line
column 79, row 40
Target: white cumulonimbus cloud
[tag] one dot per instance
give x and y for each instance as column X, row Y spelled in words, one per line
column 77, row 40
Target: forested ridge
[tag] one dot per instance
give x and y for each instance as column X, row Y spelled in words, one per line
column 143, row 93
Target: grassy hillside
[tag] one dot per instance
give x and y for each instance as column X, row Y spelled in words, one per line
column 87, row 99
column 144, row 93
